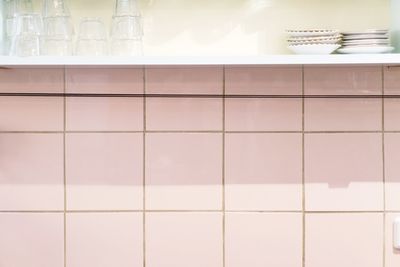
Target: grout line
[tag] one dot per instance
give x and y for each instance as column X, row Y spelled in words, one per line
column 200, row 211
column 144, row 167
column 65, row 169
column 383, row 168
column 223, row 168
column 303, row 172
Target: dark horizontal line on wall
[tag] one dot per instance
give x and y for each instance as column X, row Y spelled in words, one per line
column 217, row 96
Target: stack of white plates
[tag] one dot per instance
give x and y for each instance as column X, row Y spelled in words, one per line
column 318, row 41
column 366, row 42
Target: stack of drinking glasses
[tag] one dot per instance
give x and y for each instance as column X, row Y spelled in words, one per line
column 58, row 30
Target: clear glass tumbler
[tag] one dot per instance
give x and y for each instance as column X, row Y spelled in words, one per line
column 55, row 8
column 92, row 38
column 126, row 36
column 126, row 8
column 57, row 36
column 26, row 40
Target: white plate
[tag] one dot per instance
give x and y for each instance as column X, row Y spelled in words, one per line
column 308, row 33
column 365, row 49
column 367, row 32
column 314, row 49
column 365, row 36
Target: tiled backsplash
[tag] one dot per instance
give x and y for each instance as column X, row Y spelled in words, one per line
column 200, row 181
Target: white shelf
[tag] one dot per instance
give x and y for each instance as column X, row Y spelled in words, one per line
column 386, row 59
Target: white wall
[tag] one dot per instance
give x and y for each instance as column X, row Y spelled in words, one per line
column 240, row 27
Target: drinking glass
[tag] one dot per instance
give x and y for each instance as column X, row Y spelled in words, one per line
column 26, row 40
column 92, row 38
column 126, row 36
column 55, row 8
column 126, row 8
column 57, row 37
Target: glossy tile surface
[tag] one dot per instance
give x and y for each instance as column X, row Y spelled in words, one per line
column 104, row 171
column 343, row 80
column 31, row 176
column 343, row 115
column 392, row 255
column 183, row 171
column 184, row 239
column 263, row 239
column 31, row 239
column 104, row 114
column 32, row 80
column 263, row 115
column 345, row 240
column 392, row 111
column 184, row 80
column 104, row 81
column 263, row 171
column 343, row 172
column 263, row 80
column 105, row 239
column 31, row 114
column 392, row 80
column 392, row 171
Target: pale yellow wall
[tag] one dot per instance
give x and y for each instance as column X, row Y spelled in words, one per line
column 237, row 27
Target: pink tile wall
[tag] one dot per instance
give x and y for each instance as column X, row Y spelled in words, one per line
column 189, row 181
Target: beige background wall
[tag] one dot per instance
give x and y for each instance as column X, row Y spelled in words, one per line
column 237, row 27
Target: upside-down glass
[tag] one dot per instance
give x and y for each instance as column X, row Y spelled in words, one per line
column 57, row 37
column 26, row 39
column 127, row 8
column 126, row 36
column 55, row 8
column 92, row 38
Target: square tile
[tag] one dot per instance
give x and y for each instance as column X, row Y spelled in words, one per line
column 343, row 115
column 263, row 114
column 263, row 80
column 32, row 80
column 184, row 114
column 263, row 239
column 392, row 80
column 392, row 255
column 31, row 176
column 392, row 111
column 184, row 171
column 104, row 171
column 104, row 114
column 263, row 171
column 31, row 114
column 184, row 239
column 32, row 239
column 184, row 80
column 105, row 239
column 343, row 172
column 392, row 171
column 341, row 80
column 345, row 240
column 104, row 80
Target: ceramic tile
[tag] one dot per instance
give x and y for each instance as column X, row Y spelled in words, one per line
column 340, row 80
column 263, row 114
column 263, row 80
column 187, row 80
column 184, row 239
column 31, row 176
column 32, row 239
column 392, row 171
column 32, row 80
column 263, row 239
column 104, row 171
column 392, row 255
column 392, row 81
column 183, row 171
column 343, row 115
column 343, row 172
column 105, row 239
column 104, row 80
column 104, row 114
column 31, row 114
column 263, row 172
column 187, row 114
column 345, row 240
column 392, row 111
